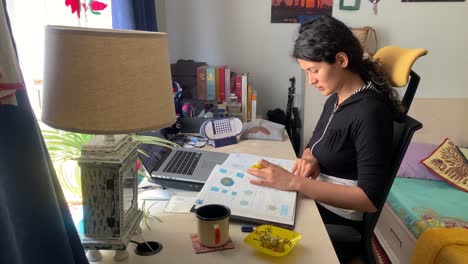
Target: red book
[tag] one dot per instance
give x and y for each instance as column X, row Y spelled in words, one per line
column 232, row 87
column 239, row 88
column 222, row 84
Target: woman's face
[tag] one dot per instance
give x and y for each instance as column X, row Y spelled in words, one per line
column 327, row 78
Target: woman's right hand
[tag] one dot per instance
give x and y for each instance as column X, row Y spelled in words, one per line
column 307, row 166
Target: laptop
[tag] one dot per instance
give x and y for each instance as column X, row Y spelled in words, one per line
column 180, row 168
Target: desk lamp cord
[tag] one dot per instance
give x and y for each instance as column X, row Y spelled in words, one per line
column 144, row 241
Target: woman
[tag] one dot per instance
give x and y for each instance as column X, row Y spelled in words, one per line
column 344, row 164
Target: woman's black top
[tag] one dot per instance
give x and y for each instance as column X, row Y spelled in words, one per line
column 354, row 141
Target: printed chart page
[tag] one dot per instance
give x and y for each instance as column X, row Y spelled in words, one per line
column 232, row 187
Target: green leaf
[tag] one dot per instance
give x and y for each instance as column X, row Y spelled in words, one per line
column 147, row 225
column 142, row 152
column 80, row 138
column 64, row 140
column 64, row 146
column 147, row 215
column 154, row 140
column 157, row 218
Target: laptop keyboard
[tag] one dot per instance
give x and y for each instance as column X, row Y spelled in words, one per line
column 183, row 162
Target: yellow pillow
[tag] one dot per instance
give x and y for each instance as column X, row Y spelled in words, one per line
column 449, row 163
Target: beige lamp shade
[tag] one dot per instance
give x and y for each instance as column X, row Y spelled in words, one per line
column 101, row 81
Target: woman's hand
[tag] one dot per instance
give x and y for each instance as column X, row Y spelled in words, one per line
column 273, row 176
column 307, row 166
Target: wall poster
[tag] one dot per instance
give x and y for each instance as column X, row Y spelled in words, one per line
column 298, row 11
column 432, row 0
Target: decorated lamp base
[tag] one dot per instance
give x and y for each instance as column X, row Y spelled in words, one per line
column 95, row 255
column 109, row 185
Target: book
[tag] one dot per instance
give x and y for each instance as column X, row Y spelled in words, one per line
column 249, row 102
column 244, row 84
column 232, row 86
column 217, row 83
column 238, row 88
column 227, row 84
column 229, row 184
column 210, row 83
column 201, row 82
column 254, row 105
column 222, row 84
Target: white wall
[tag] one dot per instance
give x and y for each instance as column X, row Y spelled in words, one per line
column 439, row 27
column 239, row 33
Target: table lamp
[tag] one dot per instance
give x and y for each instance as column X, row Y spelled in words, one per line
column 108, row 83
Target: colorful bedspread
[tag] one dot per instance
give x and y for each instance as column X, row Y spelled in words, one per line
column 423, row 204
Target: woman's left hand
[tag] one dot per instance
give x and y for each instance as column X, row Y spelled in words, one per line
column 273, row 176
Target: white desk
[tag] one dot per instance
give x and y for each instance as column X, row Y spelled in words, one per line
column 173, row 233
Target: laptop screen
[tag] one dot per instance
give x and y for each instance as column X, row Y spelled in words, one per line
column 156, row 154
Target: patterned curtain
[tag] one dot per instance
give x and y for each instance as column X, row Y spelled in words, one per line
column 35, row 223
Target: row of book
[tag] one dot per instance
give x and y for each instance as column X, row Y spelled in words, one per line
column 219, row 83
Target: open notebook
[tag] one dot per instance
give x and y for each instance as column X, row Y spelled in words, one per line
column 229, row 184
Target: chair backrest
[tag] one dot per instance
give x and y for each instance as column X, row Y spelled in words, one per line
column 398, row 63
column 403, row 131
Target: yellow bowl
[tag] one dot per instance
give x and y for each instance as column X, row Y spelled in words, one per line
column 254, row 239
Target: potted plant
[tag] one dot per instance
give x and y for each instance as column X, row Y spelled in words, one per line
column 65, row 149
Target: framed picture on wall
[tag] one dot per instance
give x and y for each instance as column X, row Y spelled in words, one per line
column 432, row 0
column 295, row 11
column 350, row 4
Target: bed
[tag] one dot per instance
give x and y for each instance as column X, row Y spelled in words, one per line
column 421, row 202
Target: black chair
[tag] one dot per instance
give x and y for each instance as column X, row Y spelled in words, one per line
column 398, row 63
column 350, row 237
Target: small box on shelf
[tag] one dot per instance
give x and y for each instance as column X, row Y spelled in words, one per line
column 234, row 107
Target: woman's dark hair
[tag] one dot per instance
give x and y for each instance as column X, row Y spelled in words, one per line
column 321, row 39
